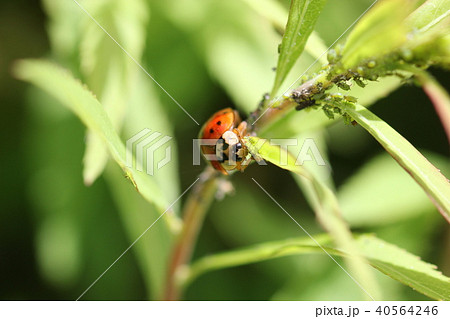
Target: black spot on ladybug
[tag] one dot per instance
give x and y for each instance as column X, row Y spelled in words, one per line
column 219, row 122
column 211, row 130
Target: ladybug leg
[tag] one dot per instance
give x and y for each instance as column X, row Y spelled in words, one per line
column 242, row 129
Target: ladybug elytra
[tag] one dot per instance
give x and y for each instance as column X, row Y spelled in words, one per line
column 222, row 145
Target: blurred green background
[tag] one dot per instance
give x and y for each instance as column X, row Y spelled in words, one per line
column 57, row 235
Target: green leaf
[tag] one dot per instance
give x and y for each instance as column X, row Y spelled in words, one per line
column 387, row 258
column 276, row 14
column 368, row 200
column 74, row 95
column 302, row 18
column 435, row 185
column 153, row 250
column 263, row 149
column 324, row 202
column 405, row 267
column 256, row 253
column 379, row 32
column 429, row 14
column 271, row 10
column 146, row 111
column 235, row 45
column 107, row 70
column 63, row 28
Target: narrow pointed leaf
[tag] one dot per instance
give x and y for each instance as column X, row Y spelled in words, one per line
column 74, row 95
column 387, row 258
column 430, row 13
column 380, row 31
column 302, row 18
column 275, row 12
column 435, row 185
column 324, row 202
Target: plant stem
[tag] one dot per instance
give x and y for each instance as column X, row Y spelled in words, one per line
column 438, row 96
column 194, row 212
column 201, row 196
column 268, row 114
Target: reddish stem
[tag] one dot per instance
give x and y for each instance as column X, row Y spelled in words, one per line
column 194, row 213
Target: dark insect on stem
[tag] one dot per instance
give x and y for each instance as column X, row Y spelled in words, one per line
column 343, row 85
column 304, row 104
column 265, row 98
column 359, row 81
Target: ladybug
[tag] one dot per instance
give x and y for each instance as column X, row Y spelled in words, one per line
column 221, row 141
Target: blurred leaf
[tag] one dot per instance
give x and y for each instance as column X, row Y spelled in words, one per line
column 316, row 47
column 63, row 29
column 316, row 163
column 107, row 70
column 389, row 259
column 429, row 40
column 71, row 93
column 271, row 10
column 277, row 14
column 435, row 184
column 235, row 44
column 96, row 154
column 384, row 200
column 78, row 231
column 322, row 200
column 153, row 249
column 429, row 14
column 302, row 18
column 379, row 32
column 146, row 111
column 310, row 283
column 58, row 250
column 234, row 228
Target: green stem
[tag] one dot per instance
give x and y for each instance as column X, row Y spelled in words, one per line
column 273, row 110
column 194, row 212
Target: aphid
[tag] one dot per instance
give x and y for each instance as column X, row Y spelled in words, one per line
column 371, row 64
column 407, row 54
column 332, row 56
column 343, row 85
column 350, row 98
column 226, row 131
column 304, row 104
column 360, row 70
column 359, row 81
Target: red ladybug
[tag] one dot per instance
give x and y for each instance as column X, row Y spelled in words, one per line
column 223, row 134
